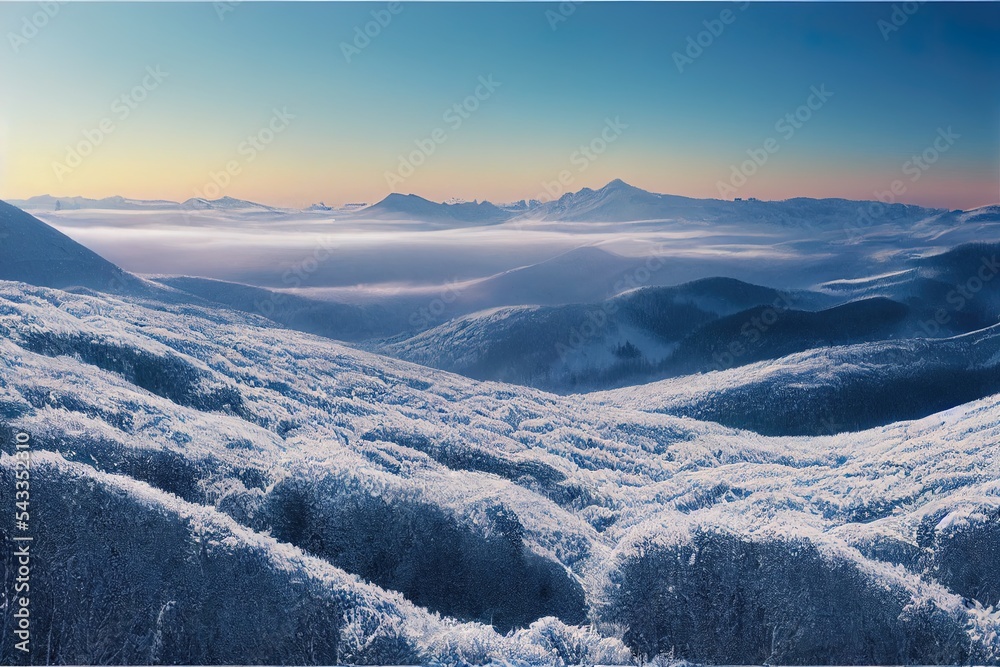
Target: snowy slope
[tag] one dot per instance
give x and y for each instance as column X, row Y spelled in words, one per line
column 622, row 340
column 33, row 252
column 481, row 501
column 831, row 390
column 200, row 571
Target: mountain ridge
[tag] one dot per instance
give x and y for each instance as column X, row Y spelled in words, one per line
column 616, row 201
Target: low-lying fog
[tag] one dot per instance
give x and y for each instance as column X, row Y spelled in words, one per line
column 355, row 260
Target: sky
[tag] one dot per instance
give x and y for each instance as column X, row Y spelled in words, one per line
column 292, row 103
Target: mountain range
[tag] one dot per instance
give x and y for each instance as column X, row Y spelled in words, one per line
column 615, row 202
column 620, row 202
column 117, row 203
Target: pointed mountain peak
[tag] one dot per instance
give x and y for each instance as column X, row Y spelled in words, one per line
column 619, row 184
column 400, row 197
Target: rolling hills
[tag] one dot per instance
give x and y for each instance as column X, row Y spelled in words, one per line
column 356, row 461
column 216, row 489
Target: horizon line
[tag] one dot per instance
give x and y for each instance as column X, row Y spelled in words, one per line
column 485, row 201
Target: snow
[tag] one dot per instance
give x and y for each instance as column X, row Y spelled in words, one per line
column 394, row 511
column 588, row 482
column 796, row 243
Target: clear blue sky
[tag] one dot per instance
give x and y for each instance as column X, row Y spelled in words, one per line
column 353, row 120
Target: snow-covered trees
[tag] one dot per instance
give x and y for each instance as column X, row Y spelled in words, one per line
column 123, row 574
column 353, row 496
column 399, row 541
column 712, row 595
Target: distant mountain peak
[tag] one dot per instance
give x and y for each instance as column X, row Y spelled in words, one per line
column 221, row 203
column 406, row 206
column 400, row 196
column 619, row 184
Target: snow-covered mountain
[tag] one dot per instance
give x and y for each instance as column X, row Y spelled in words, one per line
column 615, row 202
column 223, row 464
column 216, row 489
column 34, row 252
column 622, row 340
column 620, row 202
column 832, row 389
column 50, row 203
column 222, row 204
column 412, row 207
column 118, row 203
column 713, row 324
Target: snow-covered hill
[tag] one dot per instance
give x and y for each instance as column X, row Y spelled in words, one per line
column 834, row 389
column 481, row 501
column 214, row 489
column 621, row 340
column 34, row 252
column 956, row 290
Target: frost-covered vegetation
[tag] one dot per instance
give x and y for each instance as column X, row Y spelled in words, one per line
column 212, row 489
column 833, row 389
